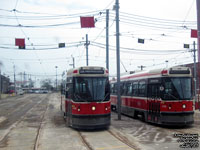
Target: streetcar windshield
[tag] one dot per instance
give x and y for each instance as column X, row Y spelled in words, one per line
column 91, row 89
column 177, row 88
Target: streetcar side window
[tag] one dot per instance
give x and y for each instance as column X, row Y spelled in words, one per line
column 112, row 88
column 115, row 89
column 153, row 90
column 129, row 89
column 124, row 89
column 135, row 88
column 142, row 88
column 69, row 90
column 121, row 88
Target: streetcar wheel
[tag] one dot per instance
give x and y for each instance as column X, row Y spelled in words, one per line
column 64, row 116
column 143, row 117
column 135, row 115
column 113, row 108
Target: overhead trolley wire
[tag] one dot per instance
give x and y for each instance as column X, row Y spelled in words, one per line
column 155, row 19
column 154, row 22
column 34, row 49
column 139, row 50
column 47, row 16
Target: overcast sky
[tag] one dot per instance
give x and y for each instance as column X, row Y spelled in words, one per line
column 165, row 25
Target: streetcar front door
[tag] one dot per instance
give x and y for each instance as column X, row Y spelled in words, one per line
column 153, row 103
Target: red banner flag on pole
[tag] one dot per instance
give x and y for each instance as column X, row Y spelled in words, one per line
column 87, row 22
column 19, row 42
column 194, row 33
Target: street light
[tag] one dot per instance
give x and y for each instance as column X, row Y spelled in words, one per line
column 56, row 76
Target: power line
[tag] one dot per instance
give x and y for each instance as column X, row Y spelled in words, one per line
column 49, row 16
column 155, row 19
column 155, row 22
column 41, row 45
column 35, row 49
column 140, row 50
column 40, row 26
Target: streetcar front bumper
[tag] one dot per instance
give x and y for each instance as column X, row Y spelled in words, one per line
column 91, row 121
column 177, row 118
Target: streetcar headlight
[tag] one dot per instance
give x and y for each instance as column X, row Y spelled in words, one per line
column 184, row 106
column 170, row 107
column 106, row 108
column 79, row 109
column 93, row 108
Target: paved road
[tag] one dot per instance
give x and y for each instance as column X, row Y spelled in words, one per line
column 34, row 122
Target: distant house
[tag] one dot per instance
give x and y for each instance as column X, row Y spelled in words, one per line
column 5, row 84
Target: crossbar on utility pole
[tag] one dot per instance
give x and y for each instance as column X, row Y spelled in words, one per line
column 118, row 60
column 141, row 67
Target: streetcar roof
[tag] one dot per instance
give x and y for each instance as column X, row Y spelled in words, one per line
column 165, row 72
column 89, row 71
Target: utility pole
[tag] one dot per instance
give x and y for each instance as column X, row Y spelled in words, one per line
column 198, row 27
column 35, row 81
column 107, row 39
column 30, row 81
column 118, row 60
column 86, row 44
column 21, row 77
column 73, row 64
column 24, row 83
column 195, row 73
column 141, row 67
column 0, row 80
column 56, row 76
column 14, row 79
column 198, row 41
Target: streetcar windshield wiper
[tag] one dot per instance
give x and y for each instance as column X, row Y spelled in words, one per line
column 79, row 97
column 105, row 97
column 172, row 96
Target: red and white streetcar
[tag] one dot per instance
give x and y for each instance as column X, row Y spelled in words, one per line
column 85, row 100
column 162, row 96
